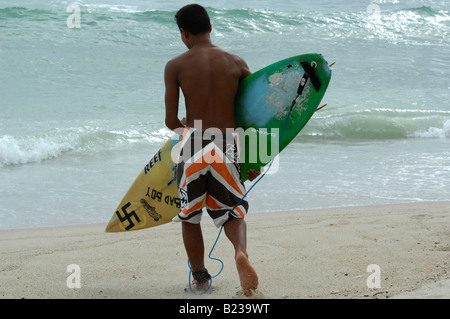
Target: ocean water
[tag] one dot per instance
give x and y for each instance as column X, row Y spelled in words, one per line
column 82, row 111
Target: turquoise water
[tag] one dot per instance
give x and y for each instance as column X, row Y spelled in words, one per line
column 81, row 109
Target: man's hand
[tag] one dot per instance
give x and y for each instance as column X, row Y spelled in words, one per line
column 252, row 174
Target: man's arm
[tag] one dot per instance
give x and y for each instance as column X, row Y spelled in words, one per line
column 245, row 70
column 172, row 96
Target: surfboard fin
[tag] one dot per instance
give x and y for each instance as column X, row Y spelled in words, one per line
column 321, row 107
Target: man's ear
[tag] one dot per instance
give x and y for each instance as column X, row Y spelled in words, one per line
column 184, row 32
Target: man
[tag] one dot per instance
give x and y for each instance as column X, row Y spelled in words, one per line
column 209, row 78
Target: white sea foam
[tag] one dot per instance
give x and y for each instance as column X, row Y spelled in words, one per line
column 32, row 149
column 13, row 151
column 435, row 132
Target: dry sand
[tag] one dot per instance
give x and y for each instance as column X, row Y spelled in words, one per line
column 299, row 254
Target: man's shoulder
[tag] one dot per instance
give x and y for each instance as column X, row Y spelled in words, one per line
column 175, row 60
column 231, row 55
column 174, row 64
column 240, row 62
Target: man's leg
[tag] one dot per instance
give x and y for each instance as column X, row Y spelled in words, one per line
column 195, row 249
column 236, row 231
column 193, row 243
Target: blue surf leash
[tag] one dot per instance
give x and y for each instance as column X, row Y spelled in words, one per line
column 240, row 201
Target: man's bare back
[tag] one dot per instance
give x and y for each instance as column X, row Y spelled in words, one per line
column 209, row 78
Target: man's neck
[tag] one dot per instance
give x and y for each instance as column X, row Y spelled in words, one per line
column 203, row 40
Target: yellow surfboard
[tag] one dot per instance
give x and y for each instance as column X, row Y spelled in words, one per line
column 153, row 197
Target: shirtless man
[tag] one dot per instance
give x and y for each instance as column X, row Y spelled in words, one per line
column 209, row 78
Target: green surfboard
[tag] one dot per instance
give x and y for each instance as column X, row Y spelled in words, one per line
column 265, row 99
column 275, row 101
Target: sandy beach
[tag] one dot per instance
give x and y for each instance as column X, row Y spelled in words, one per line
column 298, row 254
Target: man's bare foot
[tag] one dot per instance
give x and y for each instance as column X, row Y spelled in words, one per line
column 247, row 274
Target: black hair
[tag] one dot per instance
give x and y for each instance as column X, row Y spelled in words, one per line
column 193, row 18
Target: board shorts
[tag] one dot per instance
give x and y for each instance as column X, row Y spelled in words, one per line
column 209, row 174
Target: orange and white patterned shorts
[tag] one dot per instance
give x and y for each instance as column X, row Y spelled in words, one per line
column 209, row 174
